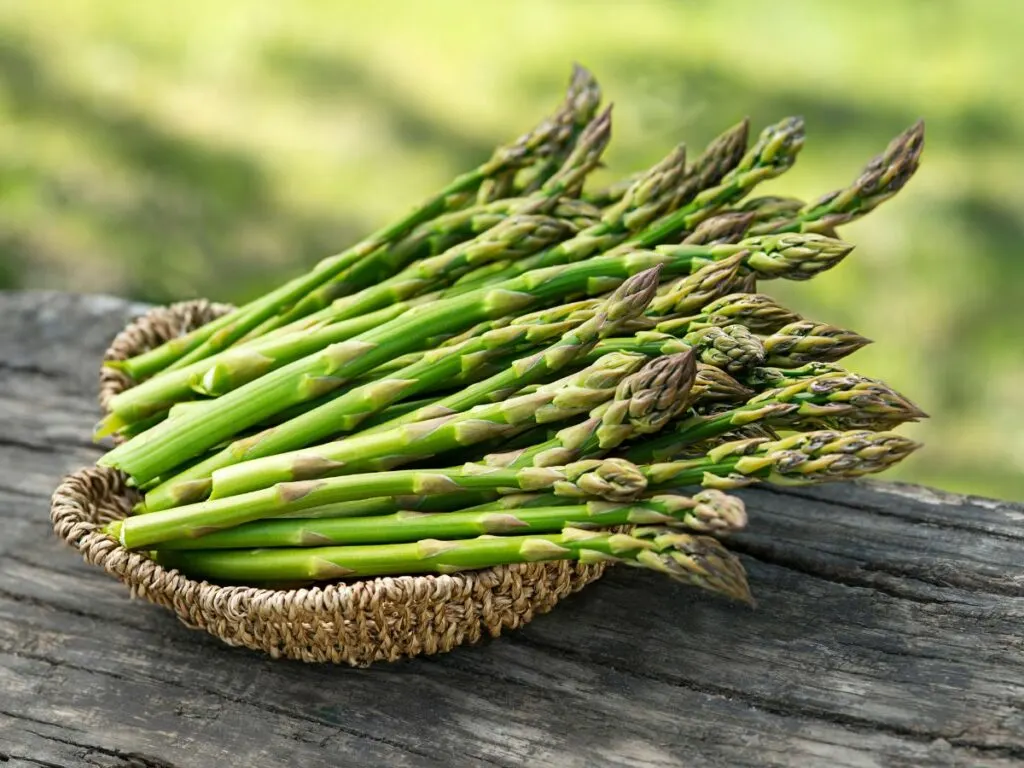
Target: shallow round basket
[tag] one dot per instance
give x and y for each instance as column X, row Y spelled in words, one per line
column 359, row 622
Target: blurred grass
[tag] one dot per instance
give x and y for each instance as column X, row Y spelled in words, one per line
column 214, row 149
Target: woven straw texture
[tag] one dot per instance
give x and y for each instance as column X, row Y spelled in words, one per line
column 358, row 623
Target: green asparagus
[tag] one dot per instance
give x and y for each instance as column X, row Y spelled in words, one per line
column 838, row 401
column 697, row 560
column 612, row 479
column 708, row 511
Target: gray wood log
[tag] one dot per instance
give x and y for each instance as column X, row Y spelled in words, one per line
column 888, row 633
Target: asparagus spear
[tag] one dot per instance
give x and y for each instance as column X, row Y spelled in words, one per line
column 643, row 403
column 713, row 385
column 717, row 159
column 813, row 457
column 883, row 177
column 581, row 99
column 755, row 311
column 628, row 301
column 806, row 342
column 646, row 343
column 613, row 480
column 767, row 377
column 474, row 501
column 581, row 102
column 691, row 292
column 700, row 561
column 173, row 442
column 771, row 207
column 728, row 227
column 801, row 459
column 561, row 400
column 515, row 237
column 578, row 311
column 645, row 200
column 754, row 429
column 838, row 401
column 708, row 511
column 732, row 348
column 431, row 239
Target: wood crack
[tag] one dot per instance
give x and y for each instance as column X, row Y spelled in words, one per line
column 255, row 704
column 861, row 576
column 133, row 759
column 785, row 709
column 940, row 523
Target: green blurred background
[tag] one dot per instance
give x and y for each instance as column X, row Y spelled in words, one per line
column 164, row 151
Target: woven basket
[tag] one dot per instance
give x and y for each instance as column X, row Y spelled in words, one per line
column 360, row 622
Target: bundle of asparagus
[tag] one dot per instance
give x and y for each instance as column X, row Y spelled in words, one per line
column 519, row 370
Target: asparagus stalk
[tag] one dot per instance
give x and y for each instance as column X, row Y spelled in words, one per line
column 712, row 388
column 613, row 480
column 515, row 237
column 813, row 457
column 474, row 501
column 579, row 311
column 767, row 377
column 582, row 101
column 755, row 311
column 644, row 402
column 732, row 348
column 707, row 511
column 838, row 401
column 173, row 442
column 806, row 342
column 771, row 207
column 647, row 343
column 801, row 459
column 626, row 302
column 713, row 385
column 435, row 238
column 686, row 294
column 728, row 227
column 691, row 292
column 697, row 560
column 883, row 177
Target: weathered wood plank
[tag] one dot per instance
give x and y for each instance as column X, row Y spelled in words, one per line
column 887, row 634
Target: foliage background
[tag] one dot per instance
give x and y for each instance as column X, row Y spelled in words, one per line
column 163, row 151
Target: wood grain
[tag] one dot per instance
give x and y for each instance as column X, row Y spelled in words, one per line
column 887, row 633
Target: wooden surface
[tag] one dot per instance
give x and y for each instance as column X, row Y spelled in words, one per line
column 888, row 633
